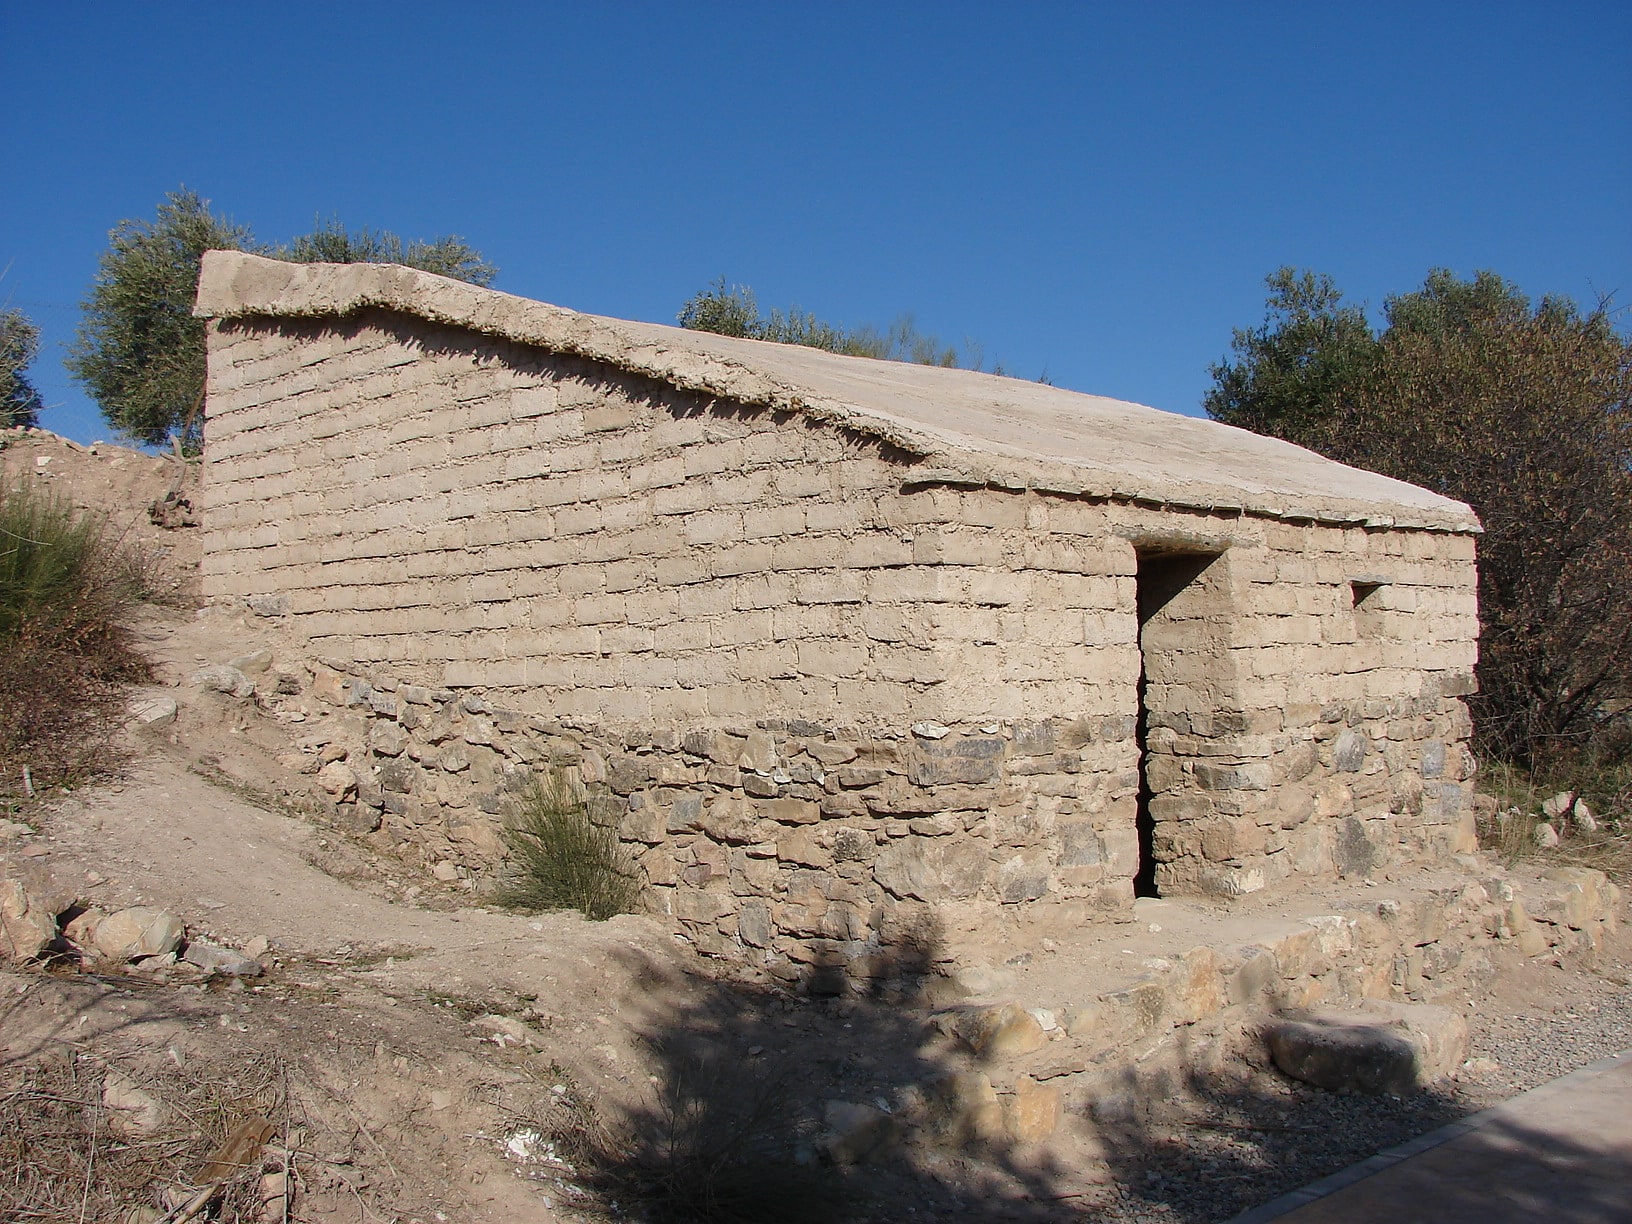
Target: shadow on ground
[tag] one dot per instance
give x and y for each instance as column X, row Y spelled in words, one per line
column 1193, row 1146
column 755, row 1083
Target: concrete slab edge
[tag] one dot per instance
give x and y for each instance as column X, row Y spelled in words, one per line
column 1302, row 1197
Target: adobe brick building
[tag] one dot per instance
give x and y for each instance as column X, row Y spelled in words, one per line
column 838, row 642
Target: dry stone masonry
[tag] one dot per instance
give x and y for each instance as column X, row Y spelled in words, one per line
column 850, row 650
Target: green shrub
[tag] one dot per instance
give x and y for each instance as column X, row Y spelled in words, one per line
column 561, row 858
column 65, row 656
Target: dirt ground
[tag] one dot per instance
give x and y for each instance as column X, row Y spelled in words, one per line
column 416, row 1056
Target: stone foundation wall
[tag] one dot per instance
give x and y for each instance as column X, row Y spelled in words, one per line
column 787, row 842
column 826, row 695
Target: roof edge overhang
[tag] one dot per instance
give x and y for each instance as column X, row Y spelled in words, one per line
column 238, row 285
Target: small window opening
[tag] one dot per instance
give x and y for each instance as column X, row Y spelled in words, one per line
column 1368, row 606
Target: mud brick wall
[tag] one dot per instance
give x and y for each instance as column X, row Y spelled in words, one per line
column 822, row 691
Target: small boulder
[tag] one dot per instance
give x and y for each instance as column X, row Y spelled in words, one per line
column 27, row 928
column 80, row 930
column 1555, row 807
column 139, row 931
column 254, row 663
column 1394, row 1048
column 1545, row 836
column 1581, row 818
column 997, row 1032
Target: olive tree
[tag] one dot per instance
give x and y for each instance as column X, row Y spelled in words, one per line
column 19, row 345
column 1522, row 410
column 140, row 352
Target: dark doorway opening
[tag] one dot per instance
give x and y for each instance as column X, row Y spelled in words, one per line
column 1163, row 574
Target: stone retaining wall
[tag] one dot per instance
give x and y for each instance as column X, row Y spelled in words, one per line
column 1116, row 1054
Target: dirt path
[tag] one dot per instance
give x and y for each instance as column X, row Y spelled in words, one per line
column 165, row 836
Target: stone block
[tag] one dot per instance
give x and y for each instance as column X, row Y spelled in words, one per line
column 951, row 771
column 1353, row 853
column 1349, row 750
column 1388, row 1048
column 694, row 905
column 1022, row 877
column 754, row 924
column 1079, row 845
column 1584, row 895
column 1255, row 979
column 932, row 869
column 789, row 811
column 1195, row 988
column 1033, row 1113
column 1253, row 776
column 805, row 846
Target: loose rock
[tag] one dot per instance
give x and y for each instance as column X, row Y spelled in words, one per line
column 224, row 678
column 27, row 930
column 150, row 713
column 132, row 1111
column 221, row 960
column 137, row 932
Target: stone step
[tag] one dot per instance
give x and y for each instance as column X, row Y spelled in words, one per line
column 1320, row 991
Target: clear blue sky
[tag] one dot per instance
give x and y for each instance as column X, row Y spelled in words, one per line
column 1094, row 190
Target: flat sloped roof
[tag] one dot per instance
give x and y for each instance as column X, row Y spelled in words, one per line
column 968, row 427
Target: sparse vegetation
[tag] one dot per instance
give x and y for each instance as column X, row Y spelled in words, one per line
column 65, row 656
column 1599, row 775
column 65, row 1155
column 20, row 403
column 561, row 858
column 733, row 310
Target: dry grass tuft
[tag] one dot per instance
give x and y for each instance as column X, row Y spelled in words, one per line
column 1601, row 776
column 66, row 1155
